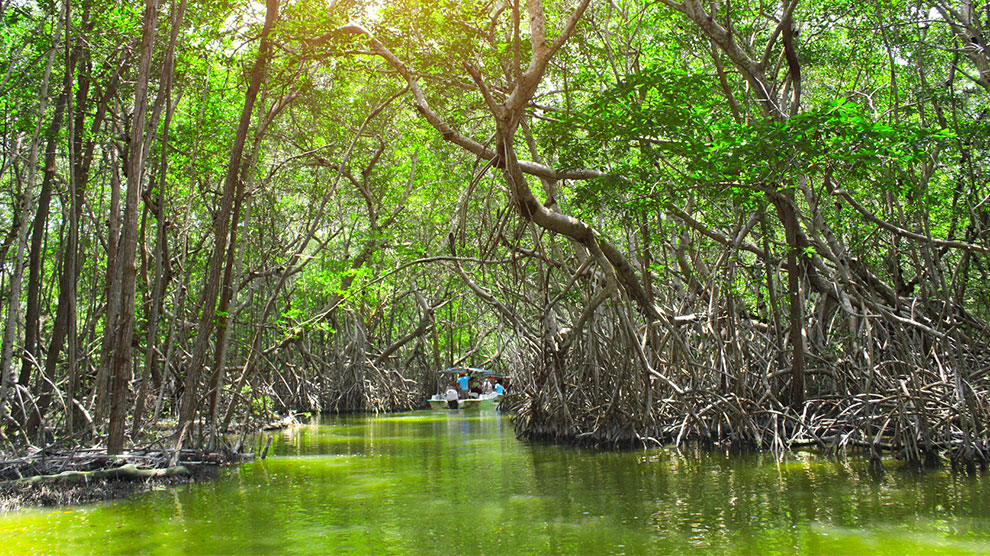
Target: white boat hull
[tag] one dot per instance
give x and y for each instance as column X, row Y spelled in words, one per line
column 489, row 401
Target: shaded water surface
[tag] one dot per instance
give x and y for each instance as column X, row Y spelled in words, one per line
column 452, row 483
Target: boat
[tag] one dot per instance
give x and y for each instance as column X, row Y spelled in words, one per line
column 474, row 401
column 482, row 401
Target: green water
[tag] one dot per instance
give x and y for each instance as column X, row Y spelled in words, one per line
column 449, row 483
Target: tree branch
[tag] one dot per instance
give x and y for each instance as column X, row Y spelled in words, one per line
column 423, row 107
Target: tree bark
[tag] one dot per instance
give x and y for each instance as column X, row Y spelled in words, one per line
column 32, row 318
column 211, row 287
column 161, row 240
column 13, row 308
column 125, row 270
column 785, row 211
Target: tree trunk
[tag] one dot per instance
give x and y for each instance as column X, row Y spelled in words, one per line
column 126, row 270
column 32, row 319
column 13, row 308
column 224, row 316
column 164, row 99
column 13, row 303
column 211, row 287
column 785, row 210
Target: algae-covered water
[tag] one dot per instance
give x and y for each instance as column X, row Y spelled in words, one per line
column 437, row 482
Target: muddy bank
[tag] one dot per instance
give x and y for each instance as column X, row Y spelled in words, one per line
column 48, row 477
column 63, row 479
column 82, row 476
column 15, row 495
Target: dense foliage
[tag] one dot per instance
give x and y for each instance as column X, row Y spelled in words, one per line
column 758, row 224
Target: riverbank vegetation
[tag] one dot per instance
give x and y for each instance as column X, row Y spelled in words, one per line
column 752, row 225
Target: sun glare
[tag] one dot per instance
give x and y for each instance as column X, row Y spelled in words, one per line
column 372, row 11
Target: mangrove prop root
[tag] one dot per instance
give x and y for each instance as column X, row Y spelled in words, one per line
column 127, row 472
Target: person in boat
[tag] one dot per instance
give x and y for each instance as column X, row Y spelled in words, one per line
column 451, row 396
column 462, row 382
column 499, row 389
column 476, row 388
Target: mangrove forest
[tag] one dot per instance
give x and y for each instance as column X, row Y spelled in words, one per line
column 754, row 225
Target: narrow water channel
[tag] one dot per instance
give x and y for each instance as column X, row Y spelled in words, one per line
column 435, row 482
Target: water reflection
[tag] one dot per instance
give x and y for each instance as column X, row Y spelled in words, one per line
column 455, row 483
